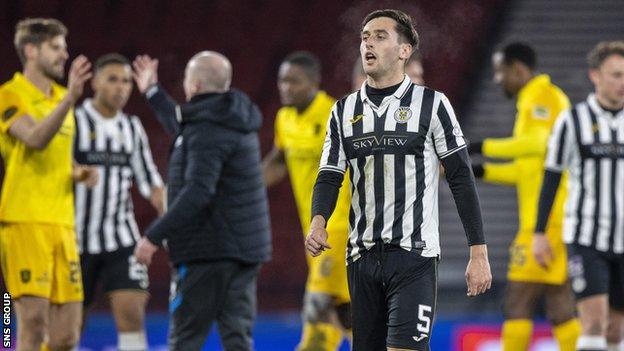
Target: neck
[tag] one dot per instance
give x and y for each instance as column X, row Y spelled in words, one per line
column 104, row 109
column 38, row 79
column 304, row 106
column 385, row 81
column 608, row 103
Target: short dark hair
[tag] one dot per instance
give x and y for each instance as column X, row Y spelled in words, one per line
column 521, row 52
column 603, row 51
column 404, row 27
column 36, row 31
column 110, row 59
column 308, row 61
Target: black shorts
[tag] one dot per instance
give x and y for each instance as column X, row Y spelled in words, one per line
column 593, row 272
column 393, row 296
column 118, row 270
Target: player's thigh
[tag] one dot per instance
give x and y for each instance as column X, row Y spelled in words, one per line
column 521, row 299
column 27, row 264
column 411, row 296
column 32, row 313
column 560, row 303
column 368, row 303
column 128, row 308
column 65, row 321
column 67, row 279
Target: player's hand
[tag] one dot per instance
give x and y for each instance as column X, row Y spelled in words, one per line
column 144, row 251
column 478, row 274
column 86, row 174
column 316, row 241
column 79, row 74
column 542, row 250
column 145, row 72
column 158, row 199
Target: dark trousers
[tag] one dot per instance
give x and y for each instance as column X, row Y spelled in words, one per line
column 201, row 293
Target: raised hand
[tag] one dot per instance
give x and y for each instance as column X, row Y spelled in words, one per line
column 79, row 74
column 145, row 72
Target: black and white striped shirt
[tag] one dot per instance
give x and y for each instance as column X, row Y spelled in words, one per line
column 589, row 142
column 118, row 146
column 393, row 155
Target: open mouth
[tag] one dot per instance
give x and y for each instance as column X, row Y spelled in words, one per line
column 369, row 57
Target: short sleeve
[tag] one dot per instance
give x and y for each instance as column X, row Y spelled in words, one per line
column 333, row 157
column 560, row 144
column 11, row 109
column 446, row 132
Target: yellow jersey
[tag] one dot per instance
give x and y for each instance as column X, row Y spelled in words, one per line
column 539, row 103
column 301, row 136
column 38, row 185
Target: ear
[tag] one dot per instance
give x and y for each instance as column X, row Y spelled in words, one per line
column 594, row 75
column 95, row 81
column 30, row 51
column 405, row 51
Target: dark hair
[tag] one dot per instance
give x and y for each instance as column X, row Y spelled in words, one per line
column 604, row 50
column 110, row 59
column 404, row 26
column 36, row 31
column 308, row 61
column 518, row 51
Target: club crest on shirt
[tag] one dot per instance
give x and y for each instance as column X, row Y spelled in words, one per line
column 402, row 114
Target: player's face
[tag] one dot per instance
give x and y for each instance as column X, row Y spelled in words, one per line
column 609, row 80
column 50, row 57
column 505, row 75
column 380, row 49
column 113, row 85
column 414, row 70
column 295, row 86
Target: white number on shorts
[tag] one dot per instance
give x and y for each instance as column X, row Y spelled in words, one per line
column 137, row 271
column 426, row 320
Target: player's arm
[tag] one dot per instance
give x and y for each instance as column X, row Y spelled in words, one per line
column 559, row 152
column 148, row 179
column 450, row 147
column 146, row 77
column 274, row 168
column 500, row 173
column 332, row 168
column 37, row 134
column 85, row 174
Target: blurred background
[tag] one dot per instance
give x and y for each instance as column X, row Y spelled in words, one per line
column 457, row 39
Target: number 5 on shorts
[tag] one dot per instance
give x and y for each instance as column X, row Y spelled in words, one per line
column 425, row 326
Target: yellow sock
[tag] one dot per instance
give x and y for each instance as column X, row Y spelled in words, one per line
column 517, row 334
column 320, row 337
column 567, row 333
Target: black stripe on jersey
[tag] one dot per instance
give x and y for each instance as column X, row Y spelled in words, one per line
column 334, row 150
column 378, row 178
column 597, row 175
column 351, row 211
column 399, row 177
column 447, row 126
column 579, row 210
column 562, row 139
column 358, row 109
column 424, row 122
column 614, row 162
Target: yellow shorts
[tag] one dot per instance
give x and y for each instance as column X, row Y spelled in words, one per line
column 524, row 268
column 327, row 273
column 41, row 260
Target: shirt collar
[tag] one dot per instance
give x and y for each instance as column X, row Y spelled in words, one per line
column 397, row 94
column 30, row 89
column 313, row 106
column 542, row 79
column 88, row 105
column 593, row 103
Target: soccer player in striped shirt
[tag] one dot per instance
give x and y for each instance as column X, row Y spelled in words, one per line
column 588, row 142
column 539, row 102
column 117, row 145
column 392, row 135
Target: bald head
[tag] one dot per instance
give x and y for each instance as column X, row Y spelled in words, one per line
column 207, row 72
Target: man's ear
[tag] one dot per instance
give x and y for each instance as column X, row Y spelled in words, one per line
column 30, row 51
column 405, row 51
column 594, row 75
